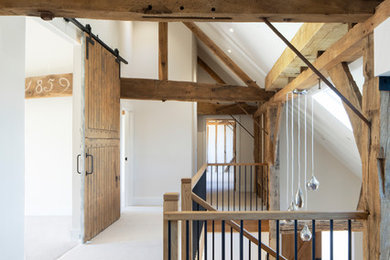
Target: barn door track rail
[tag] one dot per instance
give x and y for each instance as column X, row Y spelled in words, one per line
column 88, row 30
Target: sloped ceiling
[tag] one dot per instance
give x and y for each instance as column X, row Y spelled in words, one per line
column 255, row 48
column 334, row 136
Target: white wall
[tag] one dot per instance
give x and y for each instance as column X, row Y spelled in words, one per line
column 12, row 53
column 144, row 52
column 164, row 143
column 46, row 51
column 48, row 156
column 162, row 148
column 108, row 31
column 48, row 127
column 381, row 49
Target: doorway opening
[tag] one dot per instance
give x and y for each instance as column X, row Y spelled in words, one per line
column 127, row 157
column 49, row 146
column 221, row 140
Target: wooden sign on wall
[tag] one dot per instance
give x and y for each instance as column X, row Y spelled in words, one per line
column 57, row 85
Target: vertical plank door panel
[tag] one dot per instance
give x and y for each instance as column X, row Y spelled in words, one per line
column 102, row 131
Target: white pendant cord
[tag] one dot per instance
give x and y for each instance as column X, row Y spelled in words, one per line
column 288, row 151
column 306, row 152
column 299, row 143
column 312, row 136
column 292, row 146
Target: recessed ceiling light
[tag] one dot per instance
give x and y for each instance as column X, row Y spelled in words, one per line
column 229, row 51
column 231, row 30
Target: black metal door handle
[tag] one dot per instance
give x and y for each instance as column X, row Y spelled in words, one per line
column 90, row 155
column 78, row 163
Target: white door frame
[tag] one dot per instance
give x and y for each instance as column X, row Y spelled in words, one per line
column 127, row 151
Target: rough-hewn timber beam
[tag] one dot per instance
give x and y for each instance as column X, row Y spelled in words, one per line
column 221, row 54
column 210, row 71
column 198, row 10
column 310, row 38
column 371, row 104
column 344, row 82
column 347, row 49
column 205, row 108
column 163, row 51
column 271, row 155
column 149, row 89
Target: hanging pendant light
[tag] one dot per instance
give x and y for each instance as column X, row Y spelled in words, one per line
column 299, row 198
column 299, row 194
column 287, row 153
column 292, row 204
column 305, row 151
column 313, row 184
column 306, row 233
column 287, row 160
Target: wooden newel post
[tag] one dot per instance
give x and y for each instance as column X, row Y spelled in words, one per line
column 171, row 203
column 186, row 205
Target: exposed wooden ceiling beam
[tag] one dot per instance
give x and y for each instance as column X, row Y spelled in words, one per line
column 198, row 10
column 347, row 49
column 163, row 51
column 221, row 54
column 210, row 71
column 310, row 38
column 205, row 108
column 149, row 89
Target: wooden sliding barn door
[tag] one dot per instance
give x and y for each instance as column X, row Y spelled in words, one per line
column 102, row 132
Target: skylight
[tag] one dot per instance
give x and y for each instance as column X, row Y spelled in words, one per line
column 331, row 102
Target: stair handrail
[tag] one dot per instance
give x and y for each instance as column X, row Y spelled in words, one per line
column 236, row 226
column 172, row 216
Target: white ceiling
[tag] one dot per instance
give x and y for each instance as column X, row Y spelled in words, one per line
column 334, row 136
column 255, row 48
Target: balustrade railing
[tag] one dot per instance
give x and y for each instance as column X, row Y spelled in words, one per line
column 222, row 217
column 233, row 241
column 233, row 186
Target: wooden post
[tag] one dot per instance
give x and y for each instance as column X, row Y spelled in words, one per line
column 171, row 203
column 370, row 144
column 376, row 199
column 271, row 153
column 163, row 50
column 256, row 147
column 186, row 205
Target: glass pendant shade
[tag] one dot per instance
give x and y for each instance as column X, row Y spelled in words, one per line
column 313, row 184
column 299, row 198
column 292, row 206
column 306, row 234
